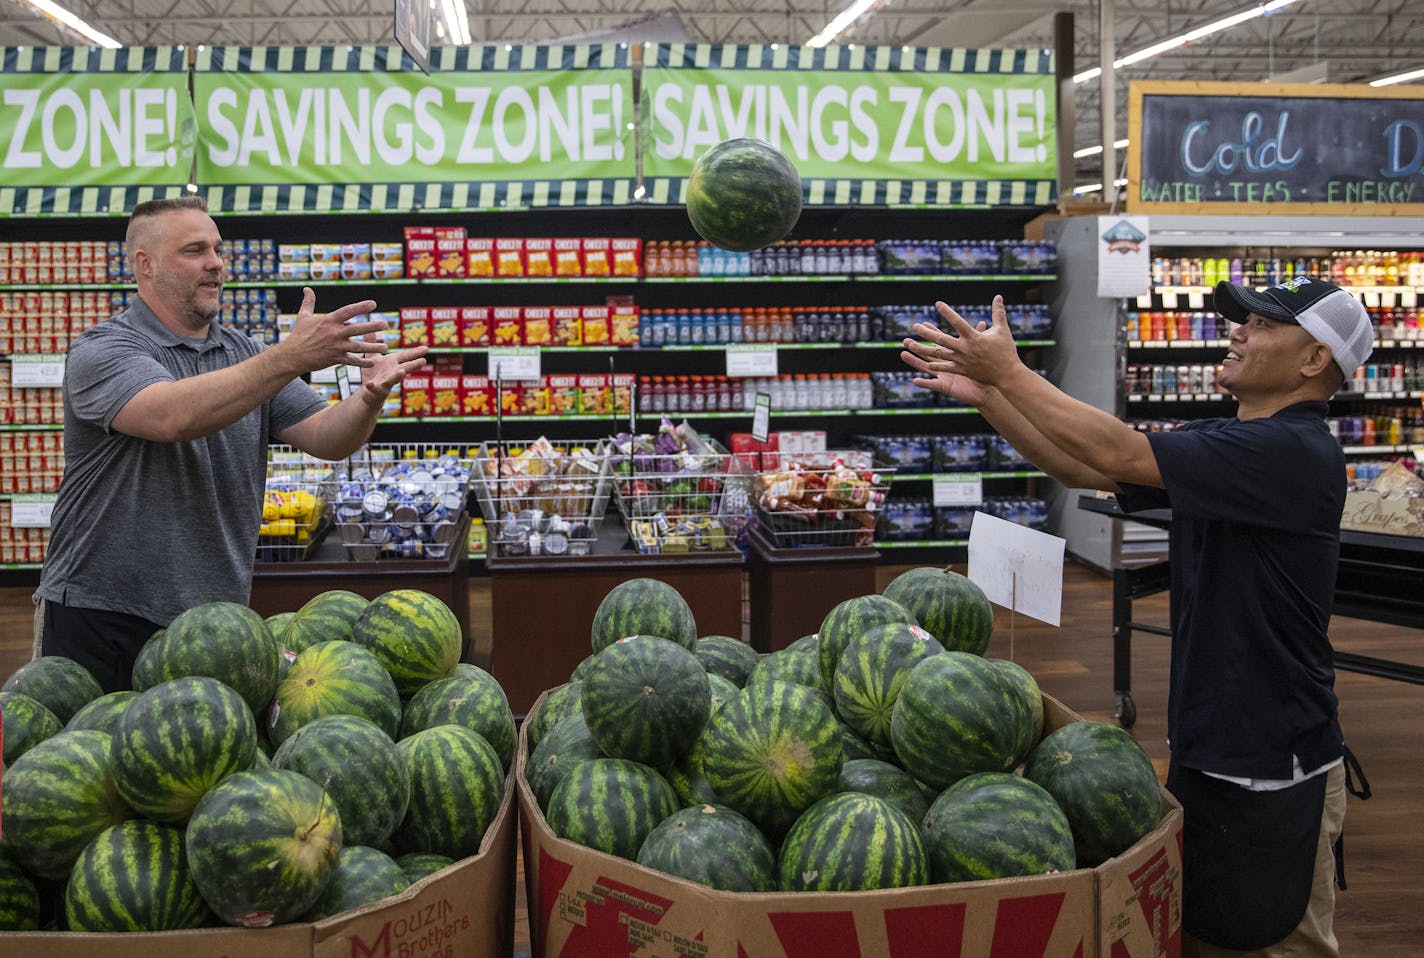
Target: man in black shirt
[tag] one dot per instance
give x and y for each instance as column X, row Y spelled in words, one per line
column 1256, row 499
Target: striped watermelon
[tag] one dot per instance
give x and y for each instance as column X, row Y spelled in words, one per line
column 558, row 705
column 743, row 194
column 957, row 714
column 413, row 634
column 176, row 741
column 872, row 670
column 456, row 784
column 610, row 804
column 277, row 623
column 567, row 744
column 146, row 663
column 950, row 606
column 19, row 898
column 646, row 699
column 1027, row 686
column 1104, row 783
column 871, row 776
column 134, row 877
column 730, row 658
column 853, row 842
column 60, row 684
column 772, row 752
column 996, row 825
column 580, row 671
column 644, row 607
column 262, row 846
column 856, row 747
column 714, row 846
column 363, row 875
column 416, row 865
column 472, row 699
column 359, row 766
column 58, row 797
column 334, row 678
column 26, row 723
column 224, row 641
column 719, row 690
column 103, row 713
column 851, row 619
column 785, row 665
column 327, row 617
column 807, row 643
column 688, row 778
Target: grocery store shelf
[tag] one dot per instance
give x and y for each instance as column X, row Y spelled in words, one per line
column 931, row 476
column 921, row 544
column 32, row 427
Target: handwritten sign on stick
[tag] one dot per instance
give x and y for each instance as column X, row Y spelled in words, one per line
column 1017, row 567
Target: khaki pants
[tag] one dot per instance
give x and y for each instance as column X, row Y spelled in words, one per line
column 1314, row 937
column 37, row 649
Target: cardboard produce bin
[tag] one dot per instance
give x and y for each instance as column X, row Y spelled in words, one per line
column 585, row 903
column 464, row 910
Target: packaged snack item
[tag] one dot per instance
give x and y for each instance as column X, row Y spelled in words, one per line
column 479, row 257
column 538, row 256
column 475, row 325
column 568, row 256
column 445, row 326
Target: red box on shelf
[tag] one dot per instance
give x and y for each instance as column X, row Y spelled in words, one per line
column 596, row 328
column 415, row 394
column 568, row 256
column 450, row 257
column 538, row 256
column 538, row 325
column 420, row 257
column 476, row 396
column 623, row 323
column 509, row 256
column 445, row 326
column 594, row 398
column 511, row 397
column 475, row 325
column 445, row 395
column 627, row 256
column 562, row 394
column 508, row 326
column 415, row 326
column 597, row 256
column 479, row 257
column 567, row 326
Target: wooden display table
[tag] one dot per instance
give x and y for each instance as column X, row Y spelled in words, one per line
column 286, row 586
column 543, row 606
column 793, row 589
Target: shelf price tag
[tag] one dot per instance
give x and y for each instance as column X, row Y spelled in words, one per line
column 751, row 359
column 514, row 362
column 761, row 417
column 1195, row 300
column 31, row 510
column 37, row 370
column 1169, row 300
column 958, row 489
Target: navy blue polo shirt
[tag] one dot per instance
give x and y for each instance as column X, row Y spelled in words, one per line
column 1254, row 547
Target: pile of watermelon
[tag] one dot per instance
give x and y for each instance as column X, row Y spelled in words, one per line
column 883, row 751
column 259, row 772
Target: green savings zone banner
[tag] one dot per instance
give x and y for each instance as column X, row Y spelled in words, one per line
column 361, row 128
column 86, row 130
column 863, row 125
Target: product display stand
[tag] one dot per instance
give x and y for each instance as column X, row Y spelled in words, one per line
column 793, row 589
column 562, row 593
column 1378, row 581
column 286, row 586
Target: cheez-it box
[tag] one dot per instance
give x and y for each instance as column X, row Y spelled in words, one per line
column 568, row 326
column 596, row 331
column 623, row 322
column 450, row 257
column 415, row 326
column 509, row 256
column 508, row 327
column 538, row 325
column 597, row 256
column 444, row 395
column 415, row 394
column 479, row 257
column 594, row 397
column 563, row 394
column 420, row 257
column 568, row 256
column 476, row 396
column 445, row 326
column 475, row 327
column 627, row 256
column 538, row 256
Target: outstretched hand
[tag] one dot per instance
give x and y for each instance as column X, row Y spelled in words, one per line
column 968, row 362
column 319, row 340
column 386, row 370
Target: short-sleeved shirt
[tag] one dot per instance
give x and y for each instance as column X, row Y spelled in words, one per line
column 1254, row 549
column 153, row 528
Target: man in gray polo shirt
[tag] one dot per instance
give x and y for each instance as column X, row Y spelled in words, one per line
column 167, row 420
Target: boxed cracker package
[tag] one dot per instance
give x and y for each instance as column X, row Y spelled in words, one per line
column 464, row 909
column 586, row 903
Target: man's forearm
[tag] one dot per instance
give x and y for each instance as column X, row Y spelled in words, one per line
column 1098, row 440
column 1038, row 449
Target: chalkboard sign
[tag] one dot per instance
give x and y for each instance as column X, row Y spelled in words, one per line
column 1275, row 148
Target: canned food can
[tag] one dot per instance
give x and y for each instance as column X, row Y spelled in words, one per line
column 351, row 533
column 374, row 504
column 378, row 533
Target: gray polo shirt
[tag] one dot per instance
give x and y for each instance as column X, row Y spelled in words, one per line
column 154, row 528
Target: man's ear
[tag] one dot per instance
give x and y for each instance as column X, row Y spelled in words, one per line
column 1320, row 359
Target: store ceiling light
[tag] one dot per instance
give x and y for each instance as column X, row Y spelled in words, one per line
column 1399, row 78
column 1095, row 187
column 1191, row 36
column 457, row 23
column 59, row 15
column 842, row 22
column 1095, row 150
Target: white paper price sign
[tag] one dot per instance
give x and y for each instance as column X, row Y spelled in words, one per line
column 958, row 489
column 38, row 370
column 514, row 362
column 31, row 510
column 751, row 360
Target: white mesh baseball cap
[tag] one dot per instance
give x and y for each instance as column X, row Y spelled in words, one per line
column 1322, row 309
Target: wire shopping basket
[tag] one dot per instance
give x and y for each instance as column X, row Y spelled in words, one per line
column 678, row 491
column 824, row 499
column 541, row 497
column 402, row 500
column 296, row 506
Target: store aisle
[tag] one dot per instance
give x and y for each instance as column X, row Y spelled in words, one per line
column 1381, row 915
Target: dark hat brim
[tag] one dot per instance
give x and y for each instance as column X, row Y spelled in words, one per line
column 1237, row 302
